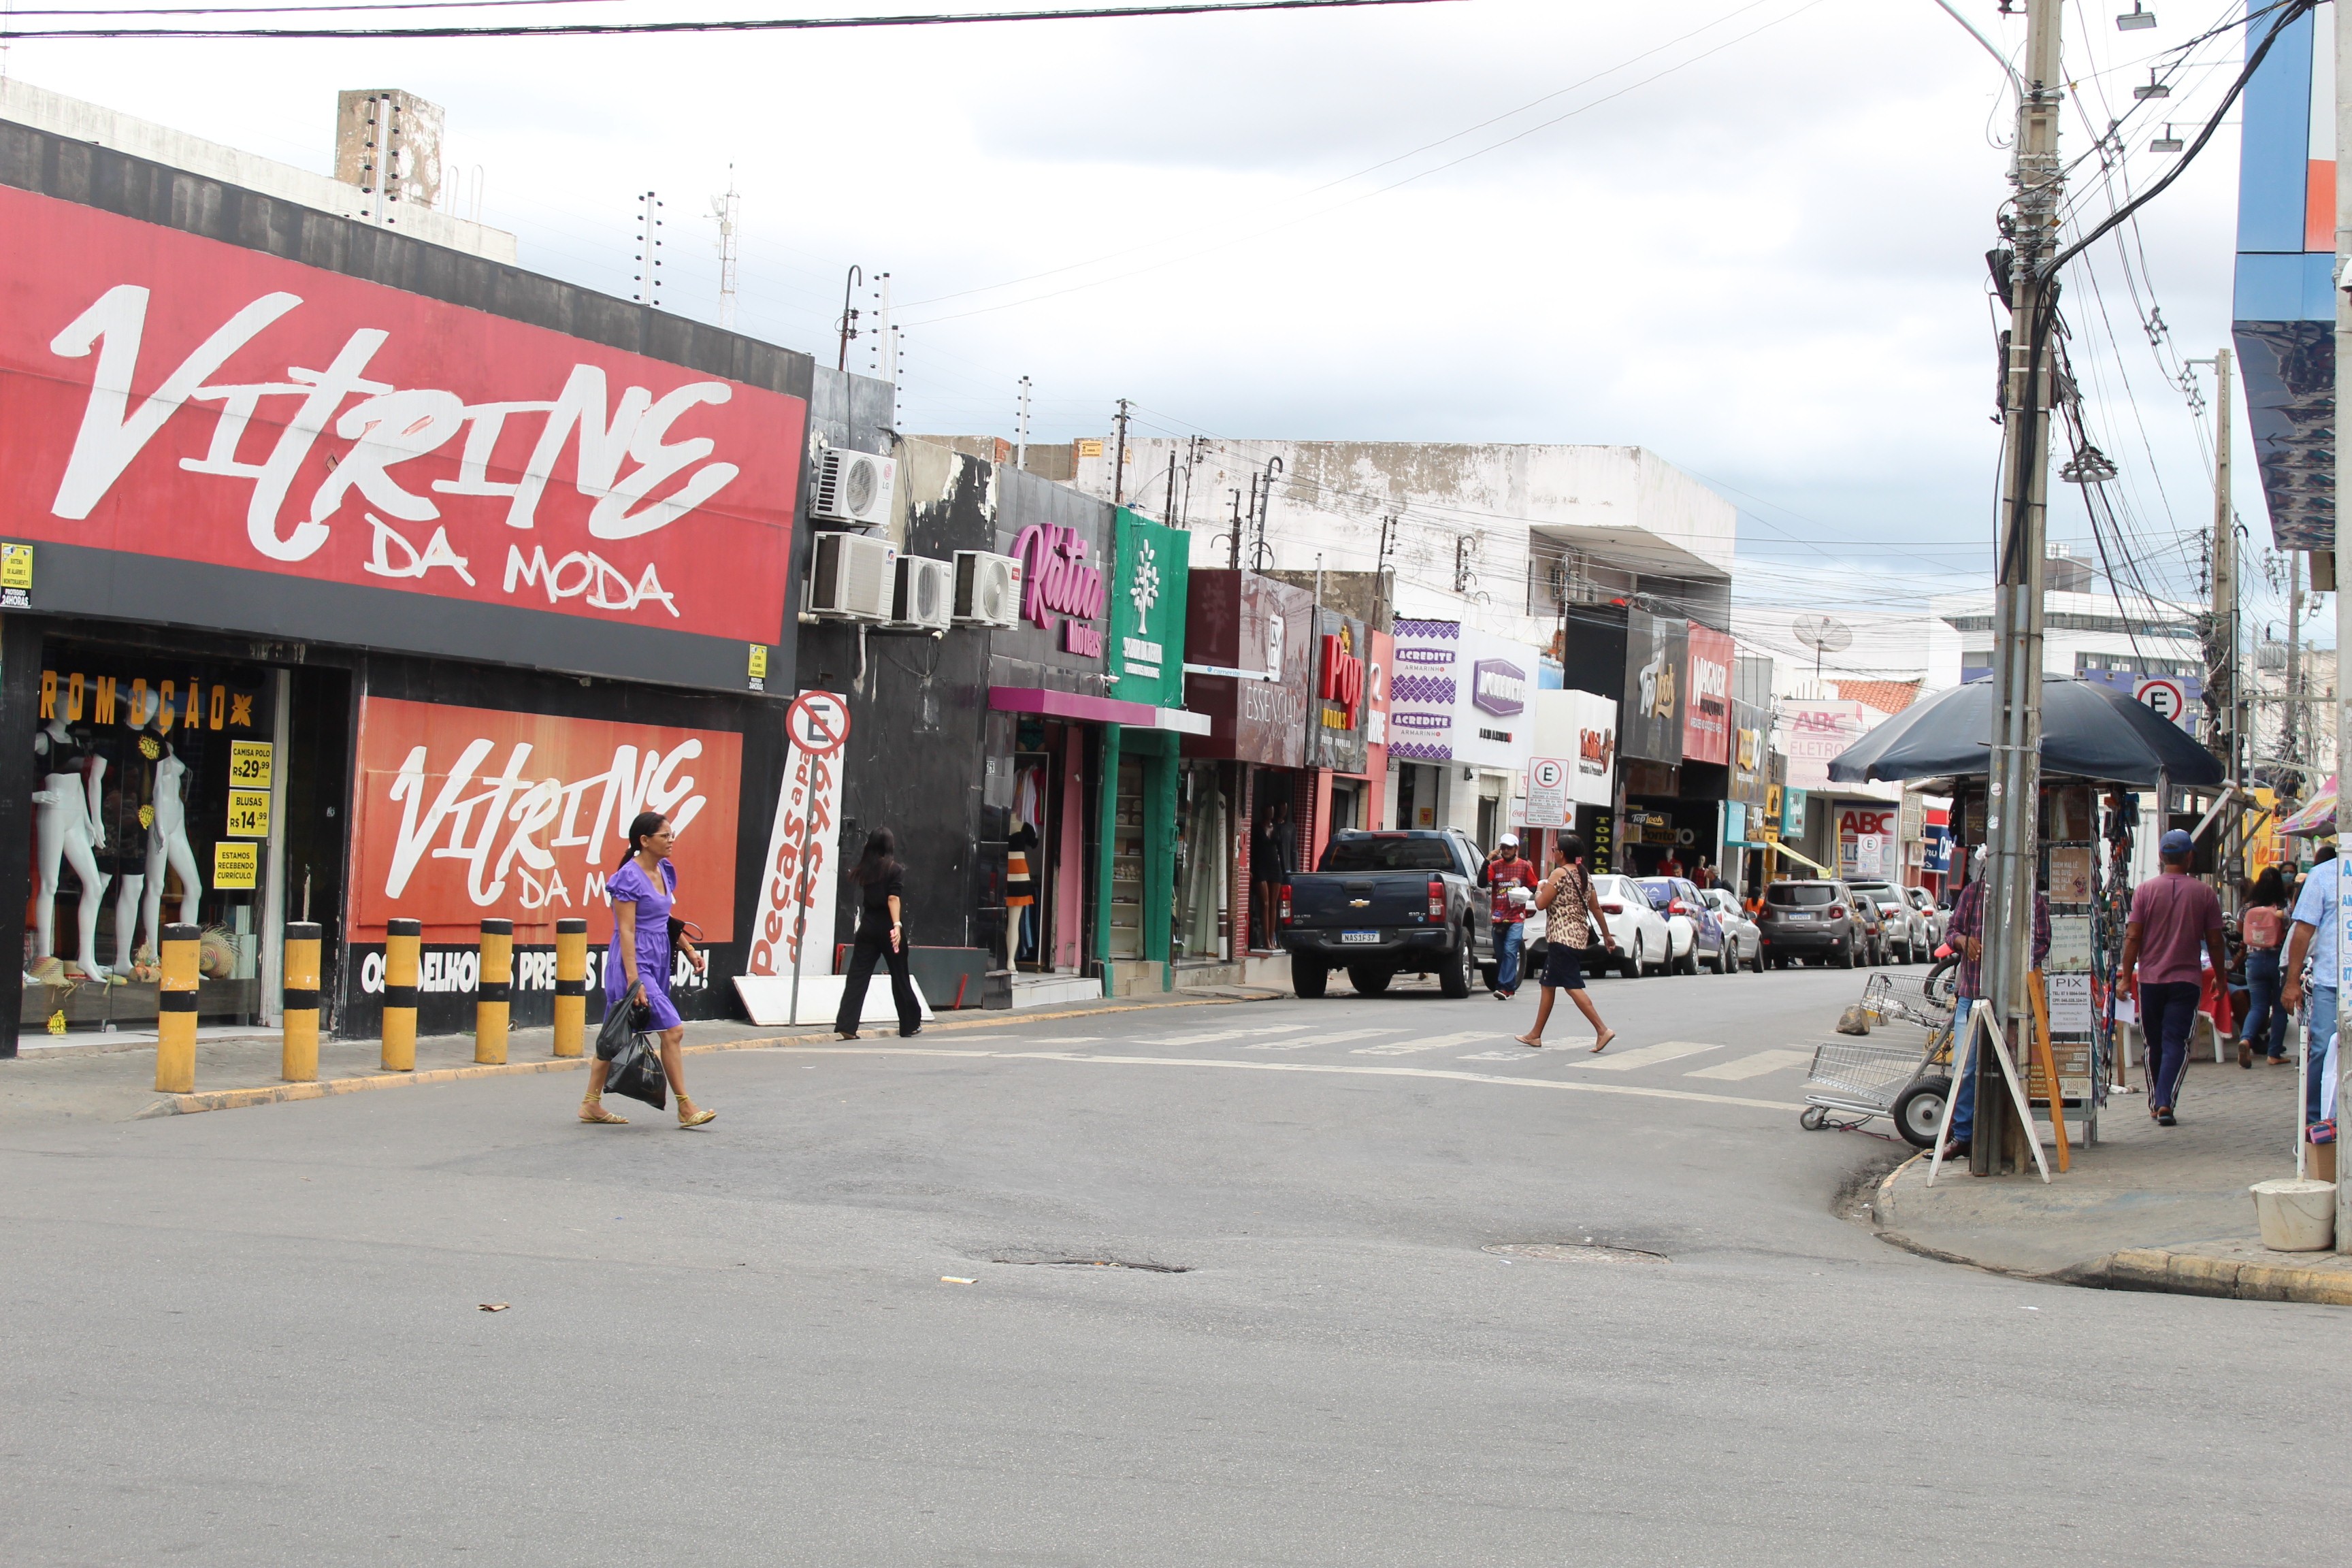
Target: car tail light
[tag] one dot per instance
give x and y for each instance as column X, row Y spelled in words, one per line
column 1837, row 912
column 1286, row 903
column 1436, row 899
column 1607, row 908
column 1679, row 908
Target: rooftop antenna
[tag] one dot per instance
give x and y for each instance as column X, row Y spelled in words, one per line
column 1823, row 634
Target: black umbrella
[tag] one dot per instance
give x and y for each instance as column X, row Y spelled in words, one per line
column 2087, row 731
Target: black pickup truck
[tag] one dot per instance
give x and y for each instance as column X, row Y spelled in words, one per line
column 1382, row 904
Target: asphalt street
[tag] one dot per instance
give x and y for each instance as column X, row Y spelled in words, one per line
column 1236, row 1296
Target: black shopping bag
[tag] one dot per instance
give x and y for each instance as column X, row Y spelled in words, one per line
column 635, row 1068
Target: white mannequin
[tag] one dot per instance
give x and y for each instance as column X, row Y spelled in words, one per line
column 67, row 827
column 167, row 845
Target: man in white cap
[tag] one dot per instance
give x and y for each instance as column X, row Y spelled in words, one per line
column 1513, row 881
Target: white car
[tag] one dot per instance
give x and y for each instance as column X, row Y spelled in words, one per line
column 1642, row 941
column 1746, row 942
column 1939, row 918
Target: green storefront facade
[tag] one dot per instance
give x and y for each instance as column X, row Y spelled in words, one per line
column 1137, row 876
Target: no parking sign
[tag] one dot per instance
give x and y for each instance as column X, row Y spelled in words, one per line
column 1548, row 803
column 2167, row 699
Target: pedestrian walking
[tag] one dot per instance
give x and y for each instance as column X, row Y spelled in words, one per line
column 2172, row 915
column 1965, row 935
column 1512, row 881
column 1573, row 917
column 2312, row 938
column 2264, row 926
column 1272, row 860
column 881, row 886
column 643, row 890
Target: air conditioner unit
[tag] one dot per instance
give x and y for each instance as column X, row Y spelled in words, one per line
column 987, row 589
column 922, row 600
column 852, row 488
column 851, row 577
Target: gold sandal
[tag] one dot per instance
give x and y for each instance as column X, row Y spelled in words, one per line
column 592, row 1110
column 687, row 1116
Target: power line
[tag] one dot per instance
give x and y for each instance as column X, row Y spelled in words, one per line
column 752, row 24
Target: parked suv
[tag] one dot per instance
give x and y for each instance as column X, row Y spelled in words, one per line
column 1816, row 918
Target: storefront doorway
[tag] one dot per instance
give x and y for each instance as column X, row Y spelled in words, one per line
column 1204, row 863
column 1049, row 831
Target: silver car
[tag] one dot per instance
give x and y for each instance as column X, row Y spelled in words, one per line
column 1906, row 940
column 1939, row 918
column 1740, row 936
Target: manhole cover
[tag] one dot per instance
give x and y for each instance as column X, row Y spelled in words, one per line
column 1574, row 1252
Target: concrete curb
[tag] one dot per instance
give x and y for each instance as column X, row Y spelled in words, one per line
column 2164, row 1271
column 284, row 1093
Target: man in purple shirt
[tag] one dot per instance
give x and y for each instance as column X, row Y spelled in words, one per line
column 2171, row 917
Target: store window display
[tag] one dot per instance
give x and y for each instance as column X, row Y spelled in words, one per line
column 137, row 824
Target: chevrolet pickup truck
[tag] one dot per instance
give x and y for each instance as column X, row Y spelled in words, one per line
column 1389, row 903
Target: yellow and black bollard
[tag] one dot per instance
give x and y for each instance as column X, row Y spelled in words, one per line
column 299, row 1058
column 494, row 992
column 571, row 986
column 402, row 939
column 175, row 1015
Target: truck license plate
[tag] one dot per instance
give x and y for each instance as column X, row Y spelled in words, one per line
column 1359, row 936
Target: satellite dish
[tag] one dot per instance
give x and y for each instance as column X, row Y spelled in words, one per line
column 1824, row 634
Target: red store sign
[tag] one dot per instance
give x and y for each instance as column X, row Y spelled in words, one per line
column 1340, row 677
column 166, row 394
column 466, row 813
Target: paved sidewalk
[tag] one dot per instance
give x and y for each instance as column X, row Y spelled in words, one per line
column 106, row 1081
column 2149, row 1207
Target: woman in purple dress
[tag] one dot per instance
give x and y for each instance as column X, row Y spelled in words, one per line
column 636, row 966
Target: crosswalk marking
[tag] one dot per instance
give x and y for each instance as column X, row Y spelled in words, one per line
column 1214, row 1034
column 1426, row 1043
column 1517, row 1056
column 1343, row 1037
column 1756, row 1065
column 1645, row 1057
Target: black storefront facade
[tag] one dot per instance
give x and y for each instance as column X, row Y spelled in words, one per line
column 350, row 578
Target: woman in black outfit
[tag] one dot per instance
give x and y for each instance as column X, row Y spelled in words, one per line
column 881, row 885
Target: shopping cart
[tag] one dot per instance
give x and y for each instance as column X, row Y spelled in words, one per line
column 1852, row 1082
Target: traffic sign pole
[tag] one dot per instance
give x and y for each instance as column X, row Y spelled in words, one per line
column 818, row 723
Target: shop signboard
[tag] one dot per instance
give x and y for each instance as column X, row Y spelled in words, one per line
column 1147, row 612
column 268, row 447
column 1735, row 822
column 1338, row 710
column 1427, row 677
column 470, row 812
column 1649, row 724
column 1380, row 664
column 1581, row 729
column 1706, row 704
column 1792, row 812
column 1494, row 711
column 1815, row 733
column 1867, row 844
column 1259, row 634
column 1751, row 731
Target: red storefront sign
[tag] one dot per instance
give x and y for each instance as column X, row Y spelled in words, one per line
column 466, row 813
column 1707, row 706
column 1340, row 677
column 170, row 396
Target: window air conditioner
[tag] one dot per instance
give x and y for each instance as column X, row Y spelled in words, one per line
column 987, row 589
column 920, row 600
column 851, row 577
column 852, row 488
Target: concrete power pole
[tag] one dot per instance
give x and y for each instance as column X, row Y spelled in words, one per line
column 2222, row 693
column 1021, row 434
column 1119, row 459
column 2343, row 598
column 2012, row 807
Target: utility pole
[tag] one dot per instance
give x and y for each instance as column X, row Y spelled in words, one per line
column 1170, row 509
column 1233, row 539
column 1118, row 460
column 2293, row 719
column 725, row 210
column 2221, row 623
column 2013, row 806
column 649, row 247
column 1021, row 430
column 849, row 282
column 2343, row 597
column 1260, row 557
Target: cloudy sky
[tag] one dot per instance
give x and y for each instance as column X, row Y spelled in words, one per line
column 1747, row 234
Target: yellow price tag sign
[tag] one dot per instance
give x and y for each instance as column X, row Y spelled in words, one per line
column 237, row 866
column 249, row 814
column 15, row 566
column 252, row 765
column 758, row 661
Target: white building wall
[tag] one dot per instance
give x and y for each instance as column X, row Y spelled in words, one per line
column 1624, row 504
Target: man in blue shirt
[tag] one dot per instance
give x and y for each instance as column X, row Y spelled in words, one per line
column 2312, row 936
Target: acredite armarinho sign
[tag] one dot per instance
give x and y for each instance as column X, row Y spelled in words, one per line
column 163, row 394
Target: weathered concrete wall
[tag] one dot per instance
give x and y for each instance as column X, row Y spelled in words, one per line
column 99, row 126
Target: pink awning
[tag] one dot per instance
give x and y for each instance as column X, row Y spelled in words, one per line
column 1071, row 705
